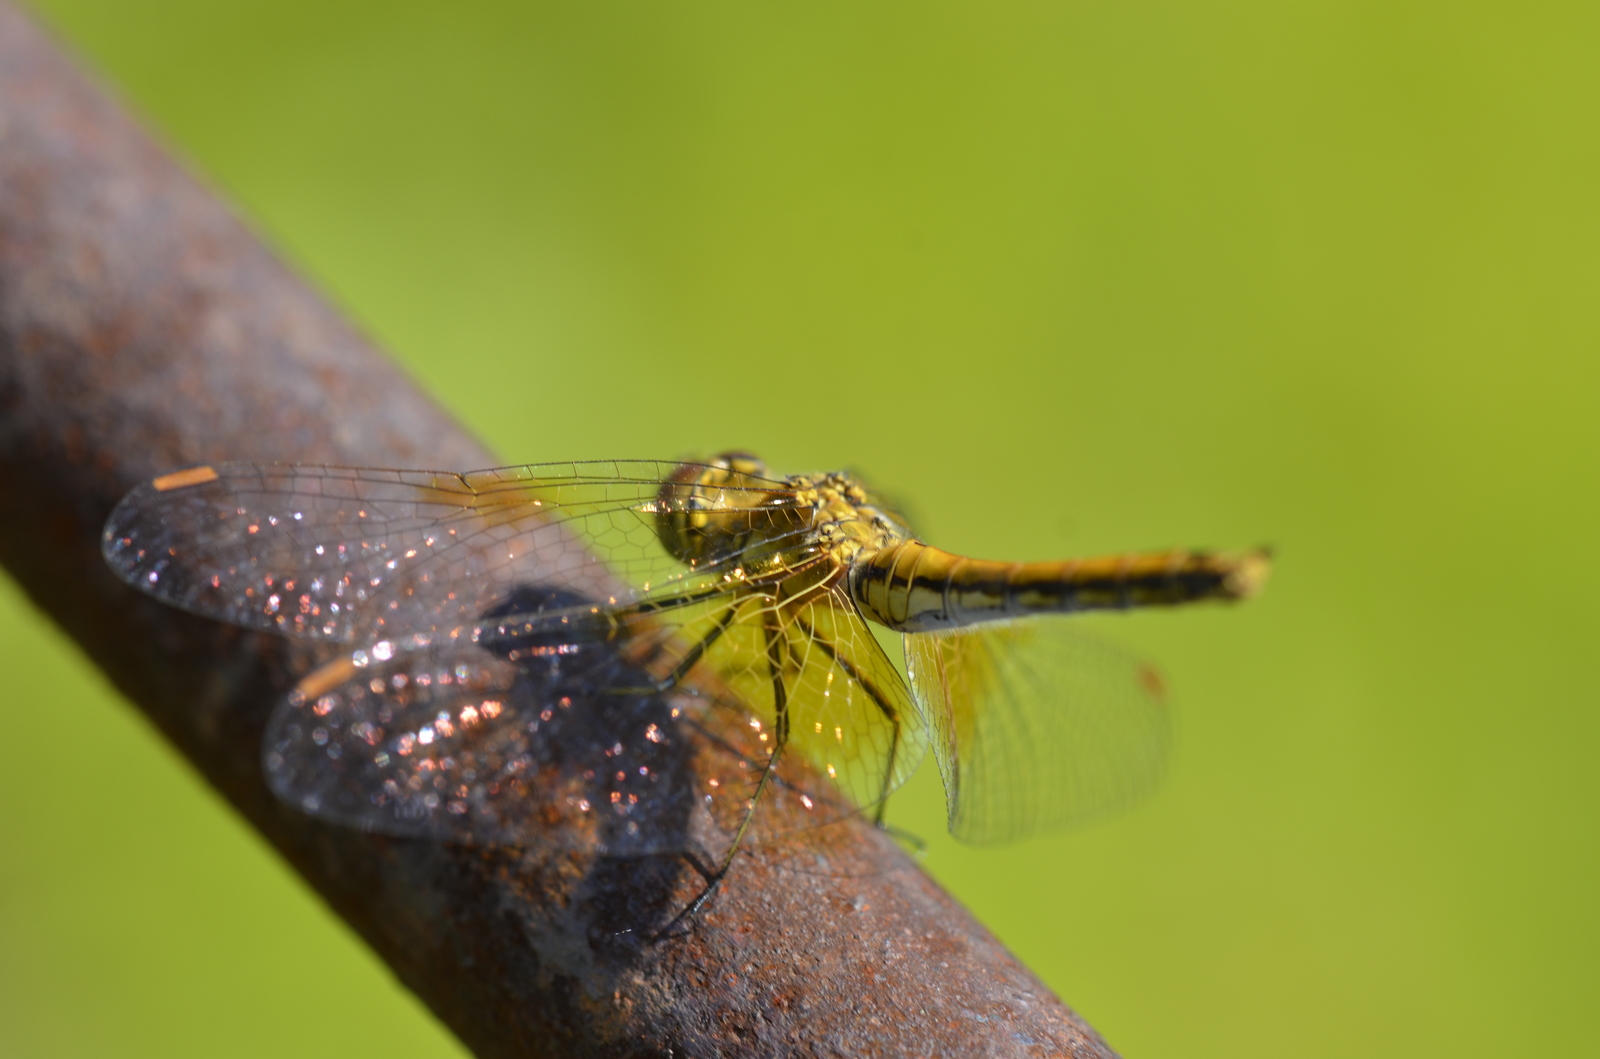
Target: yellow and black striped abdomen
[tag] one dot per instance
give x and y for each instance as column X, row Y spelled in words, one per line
column 912, row 587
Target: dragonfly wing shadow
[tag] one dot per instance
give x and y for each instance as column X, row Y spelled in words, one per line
column 510, row 736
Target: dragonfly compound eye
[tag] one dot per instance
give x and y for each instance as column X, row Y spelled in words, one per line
column 709, row 511
column 745, row 463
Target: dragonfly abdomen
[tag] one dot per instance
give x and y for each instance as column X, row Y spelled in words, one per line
column 913, row 587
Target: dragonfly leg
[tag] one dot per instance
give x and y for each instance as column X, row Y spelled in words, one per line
column 888, row 771
column 689, row 660
column 918, row 845
column 885, row 707
column 899, row 834
column 780, row 736
column 707, row 872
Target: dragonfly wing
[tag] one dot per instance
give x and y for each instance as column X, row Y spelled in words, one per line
column 1036, row 726
column 341, row 553
column 452, row 742
column 850, row 715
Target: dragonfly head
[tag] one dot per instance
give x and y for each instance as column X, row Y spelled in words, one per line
column 708, row 511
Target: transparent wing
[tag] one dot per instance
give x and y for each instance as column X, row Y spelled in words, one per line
column 343, row 553
column 447, row 740
column 1036, row 726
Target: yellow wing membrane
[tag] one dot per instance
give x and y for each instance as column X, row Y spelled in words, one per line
column 1036, row 726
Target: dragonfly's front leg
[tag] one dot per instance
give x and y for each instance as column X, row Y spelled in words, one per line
column 690, row 659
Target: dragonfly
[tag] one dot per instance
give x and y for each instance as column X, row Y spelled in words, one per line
column 640, row 655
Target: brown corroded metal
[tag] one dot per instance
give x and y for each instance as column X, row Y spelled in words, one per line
column 142, row 328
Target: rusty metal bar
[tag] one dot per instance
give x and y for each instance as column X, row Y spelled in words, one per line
column 143, row 327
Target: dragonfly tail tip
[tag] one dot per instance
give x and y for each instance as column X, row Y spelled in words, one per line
column 1249, row 574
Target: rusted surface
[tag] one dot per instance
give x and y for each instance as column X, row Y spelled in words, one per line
column 143, row 328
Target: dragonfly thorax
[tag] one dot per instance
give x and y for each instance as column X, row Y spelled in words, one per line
column 847, row 519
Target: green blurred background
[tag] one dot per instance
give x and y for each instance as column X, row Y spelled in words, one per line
column 1067, row 277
